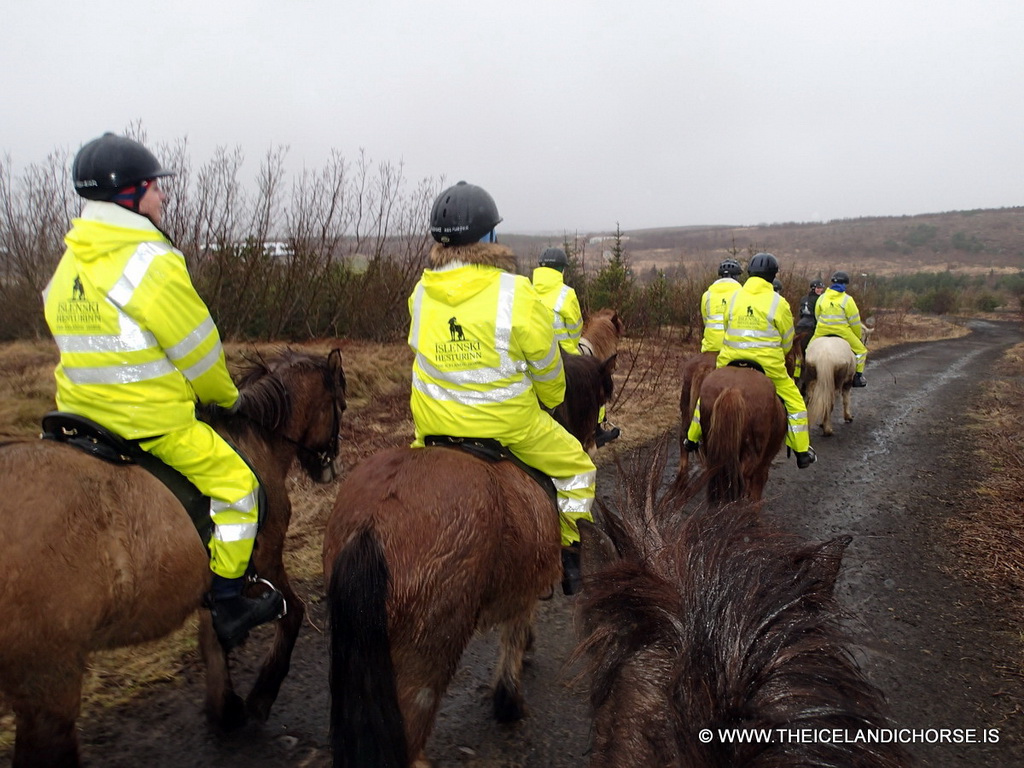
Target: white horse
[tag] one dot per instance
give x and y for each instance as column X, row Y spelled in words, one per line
column 829, row 365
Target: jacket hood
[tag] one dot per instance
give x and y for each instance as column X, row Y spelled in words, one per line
column 458, row 273
column 104, row 227
column 547, row 278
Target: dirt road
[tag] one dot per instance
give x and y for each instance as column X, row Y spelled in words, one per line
column 890, row 479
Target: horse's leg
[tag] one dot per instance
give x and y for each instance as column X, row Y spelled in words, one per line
column 684, row 418
column 45, row 732
column 847, row 413
column 508, row 697
column 224, row 708
column 278, row 660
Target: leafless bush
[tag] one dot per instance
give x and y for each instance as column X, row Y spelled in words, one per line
column 34, row 212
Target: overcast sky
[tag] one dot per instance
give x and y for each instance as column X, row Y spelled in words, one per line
column 573, row 114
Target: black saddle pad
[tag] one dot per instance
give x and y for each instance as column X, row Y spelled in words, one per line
column 98, row 441
column 489, row 449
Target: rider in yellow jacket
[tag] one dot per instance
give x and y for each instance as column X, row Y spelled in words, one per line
column 567, row 317
column 715, row 302
column 837, row 315
column 560, row 299
column 485, row 354
column 759, row 327
column 138, row 348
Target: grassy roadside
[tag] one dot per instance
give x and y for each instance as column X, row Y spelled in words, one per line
column 646, row 405
column 990, row 533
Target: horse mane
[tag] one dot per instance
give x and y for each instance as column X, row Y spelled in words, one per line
column 717, row 620
column 601, row 333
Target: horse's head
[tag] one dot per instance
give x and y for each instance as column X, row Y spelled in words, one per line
column 300, row 399
column 714, row 616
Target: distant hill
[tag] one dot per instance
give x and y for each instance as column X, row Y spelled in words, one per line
column 959, row 241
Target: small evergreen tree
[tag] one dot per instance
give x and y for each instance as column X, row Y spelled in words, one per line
column 614, row 284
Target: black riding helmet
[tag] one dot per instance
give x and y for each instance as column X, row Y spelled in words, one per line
column 817, row 284
column 763, row 265
column 841, row 277
column 777, row 285
column 107, row 164
column 463, row 214
column 554, row 258
column 730, row 268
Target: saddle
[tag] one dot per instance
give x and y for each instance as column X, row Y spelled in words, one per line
column 96, row 440
column 747, row 364
column 489, row 449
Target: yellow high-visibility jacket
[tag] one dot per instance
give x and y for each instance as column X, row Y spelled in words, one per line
column 484, row 347
column 759, row 327
column 137, row 344
column 714, row 305
column 562, row 301
column 836, row 311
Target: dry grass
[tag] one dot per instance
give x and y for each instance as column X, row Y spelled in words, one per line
column 990, row 534
column 646, row 405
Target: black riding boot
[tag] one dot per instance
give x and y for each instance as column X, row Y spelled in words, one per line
column 804, row 459
column 234, row 614
column 603, row 436
column 859, row 380
column 572, row 577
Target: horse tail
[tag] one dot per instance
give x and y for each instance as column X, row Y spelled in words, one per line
column 367, row 728
column 821, row 391
column 722, row 445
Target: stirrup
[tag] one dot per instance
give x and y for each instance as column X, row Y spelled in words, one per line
column 284, row 600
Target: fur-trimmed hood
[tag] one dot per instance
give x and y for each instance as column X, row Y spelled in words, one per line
column 486, row 254
column 459, row 273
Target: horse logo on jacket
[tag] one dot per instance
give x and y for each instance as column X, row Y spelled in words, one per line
column 456, row 330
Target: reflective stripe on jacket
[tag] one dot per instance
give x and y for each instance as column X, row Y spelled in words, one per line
column 759, row 326
column 137, row 344
column 562, row 300
column 713, row 306
column 484, row 353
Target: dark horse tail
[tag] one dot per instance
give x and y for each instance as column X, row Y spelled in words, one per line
column 723, row 443
column 366, row 723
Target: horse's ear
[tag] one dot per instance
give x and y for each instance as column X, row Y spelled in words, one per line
column 597, row 550
column 620, row 327
column 608, row 366
column 823, row 562
column 335, row 367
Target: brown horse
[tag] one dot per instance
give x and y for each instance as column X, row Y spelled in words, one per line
column 693, row 371
column 691, row 628
column 601, row 334
column 744, row 426
column 425, row 546
column 828, row 369
column 98, row 556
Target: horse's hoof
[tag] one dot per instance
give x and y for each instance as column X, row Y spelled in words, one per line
column 232, row 714
column 508, row 705
column 258, row 707
column 847, row 419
